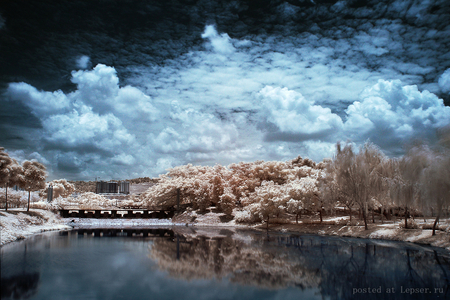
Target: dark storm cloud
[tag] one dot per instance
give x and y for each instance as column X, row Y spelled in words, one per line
column 166, row 83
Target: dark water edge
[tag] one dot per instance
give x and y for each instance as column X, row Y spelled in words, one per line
column 182, row 263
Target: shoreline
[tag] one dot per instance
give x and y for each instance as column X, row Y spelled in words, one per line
column 17, row 224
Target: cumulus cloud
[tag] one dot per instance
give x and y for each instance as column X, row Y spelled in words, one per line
column 195, row 132
column 293, row 113
column 390, row 114
column 79, row 129
column 267, row 83
column 41, row 103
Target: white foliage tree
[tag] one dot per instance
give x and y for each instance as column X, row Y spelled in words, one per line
column 11, row 173
column 34, row 177
column 61, row 188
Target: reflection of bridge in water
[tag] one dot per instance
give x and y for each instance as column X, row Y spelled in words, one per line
column 126, row 232
column 136, row 213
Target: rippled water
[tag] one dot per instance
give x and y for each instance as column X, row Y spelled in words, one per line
column 187, row 263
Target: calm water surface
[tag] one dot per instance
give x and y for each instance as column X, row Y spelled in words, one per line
column 219, row 264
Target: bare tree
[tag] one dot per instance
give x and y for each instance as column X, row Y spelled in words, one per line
column 437, row 184
column 405, row 177
column 330, row 190
column 358, row 173
column 34, row 177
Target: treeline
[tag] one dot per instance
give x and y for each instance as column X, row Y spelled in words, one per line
column 364, row 179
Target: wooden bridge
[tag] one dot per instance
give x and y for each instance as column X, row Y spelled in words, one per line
column 135, row 213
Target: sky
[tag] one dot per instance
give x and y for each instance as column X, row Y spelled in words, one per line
column 124, row 89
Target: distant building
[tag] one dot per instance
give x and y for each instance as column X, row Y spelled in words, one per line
column 122, row 187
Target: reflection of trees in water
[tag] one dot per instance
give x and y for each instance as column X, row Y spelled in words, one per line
column 335, row 266
column 21, row 286
column 218, row 258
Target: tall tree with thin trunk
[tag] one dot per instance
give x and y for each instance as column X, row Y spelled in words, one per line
column 437, row 184
column 34, row 177
column 358, row 173
column 405, row 178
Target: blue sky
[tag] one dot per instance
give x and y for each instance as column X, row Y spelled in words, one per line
column 116, row 89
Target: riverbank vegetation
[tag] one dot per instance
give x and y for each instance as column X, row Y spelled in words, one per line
column 356, row 182
column 363, row 181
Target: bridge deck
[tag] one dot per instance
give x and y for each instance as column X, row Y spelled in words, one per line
column 119, row 213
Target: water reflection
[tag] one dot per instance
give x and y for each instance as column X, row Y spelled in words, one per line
column 187, row 263
column 21, row 286
column 339, row 268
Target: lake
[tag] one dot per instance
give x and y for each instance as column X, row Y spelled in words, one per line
column 201, row 263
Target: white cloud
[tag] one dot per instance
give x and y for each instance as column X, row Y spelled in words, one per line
column 444, row 81
column 293, row 113
column 261, row 96
column 220, row 43
column 97, row 87
column 197, row 132
column 391, row 114
column 41, row 103
column 124, row 159
column 83, row 62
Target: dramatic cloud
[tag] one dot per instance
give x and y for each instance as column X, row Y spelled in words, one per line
column 218, row 81
column 391, row 114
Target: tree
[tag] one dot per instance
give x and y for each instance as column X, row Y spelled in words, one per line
column 358, row 174
column 11, row 173
column 329, row 190
column 34, row 177
column 302, row 194
column 437, row 184
column 61, row 188
column 5, row 164
column 406, row 177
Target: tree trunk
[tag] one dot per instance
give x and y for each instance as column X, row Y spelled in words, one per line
column 365, row 219
column 320, row 214
column 381, row 211
column 406, row 217
column 373, row 215
column 435, row 222
column 268, row 218
column 350, row 210
column 296, row 218
column 6, row 198
column 28, row 209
